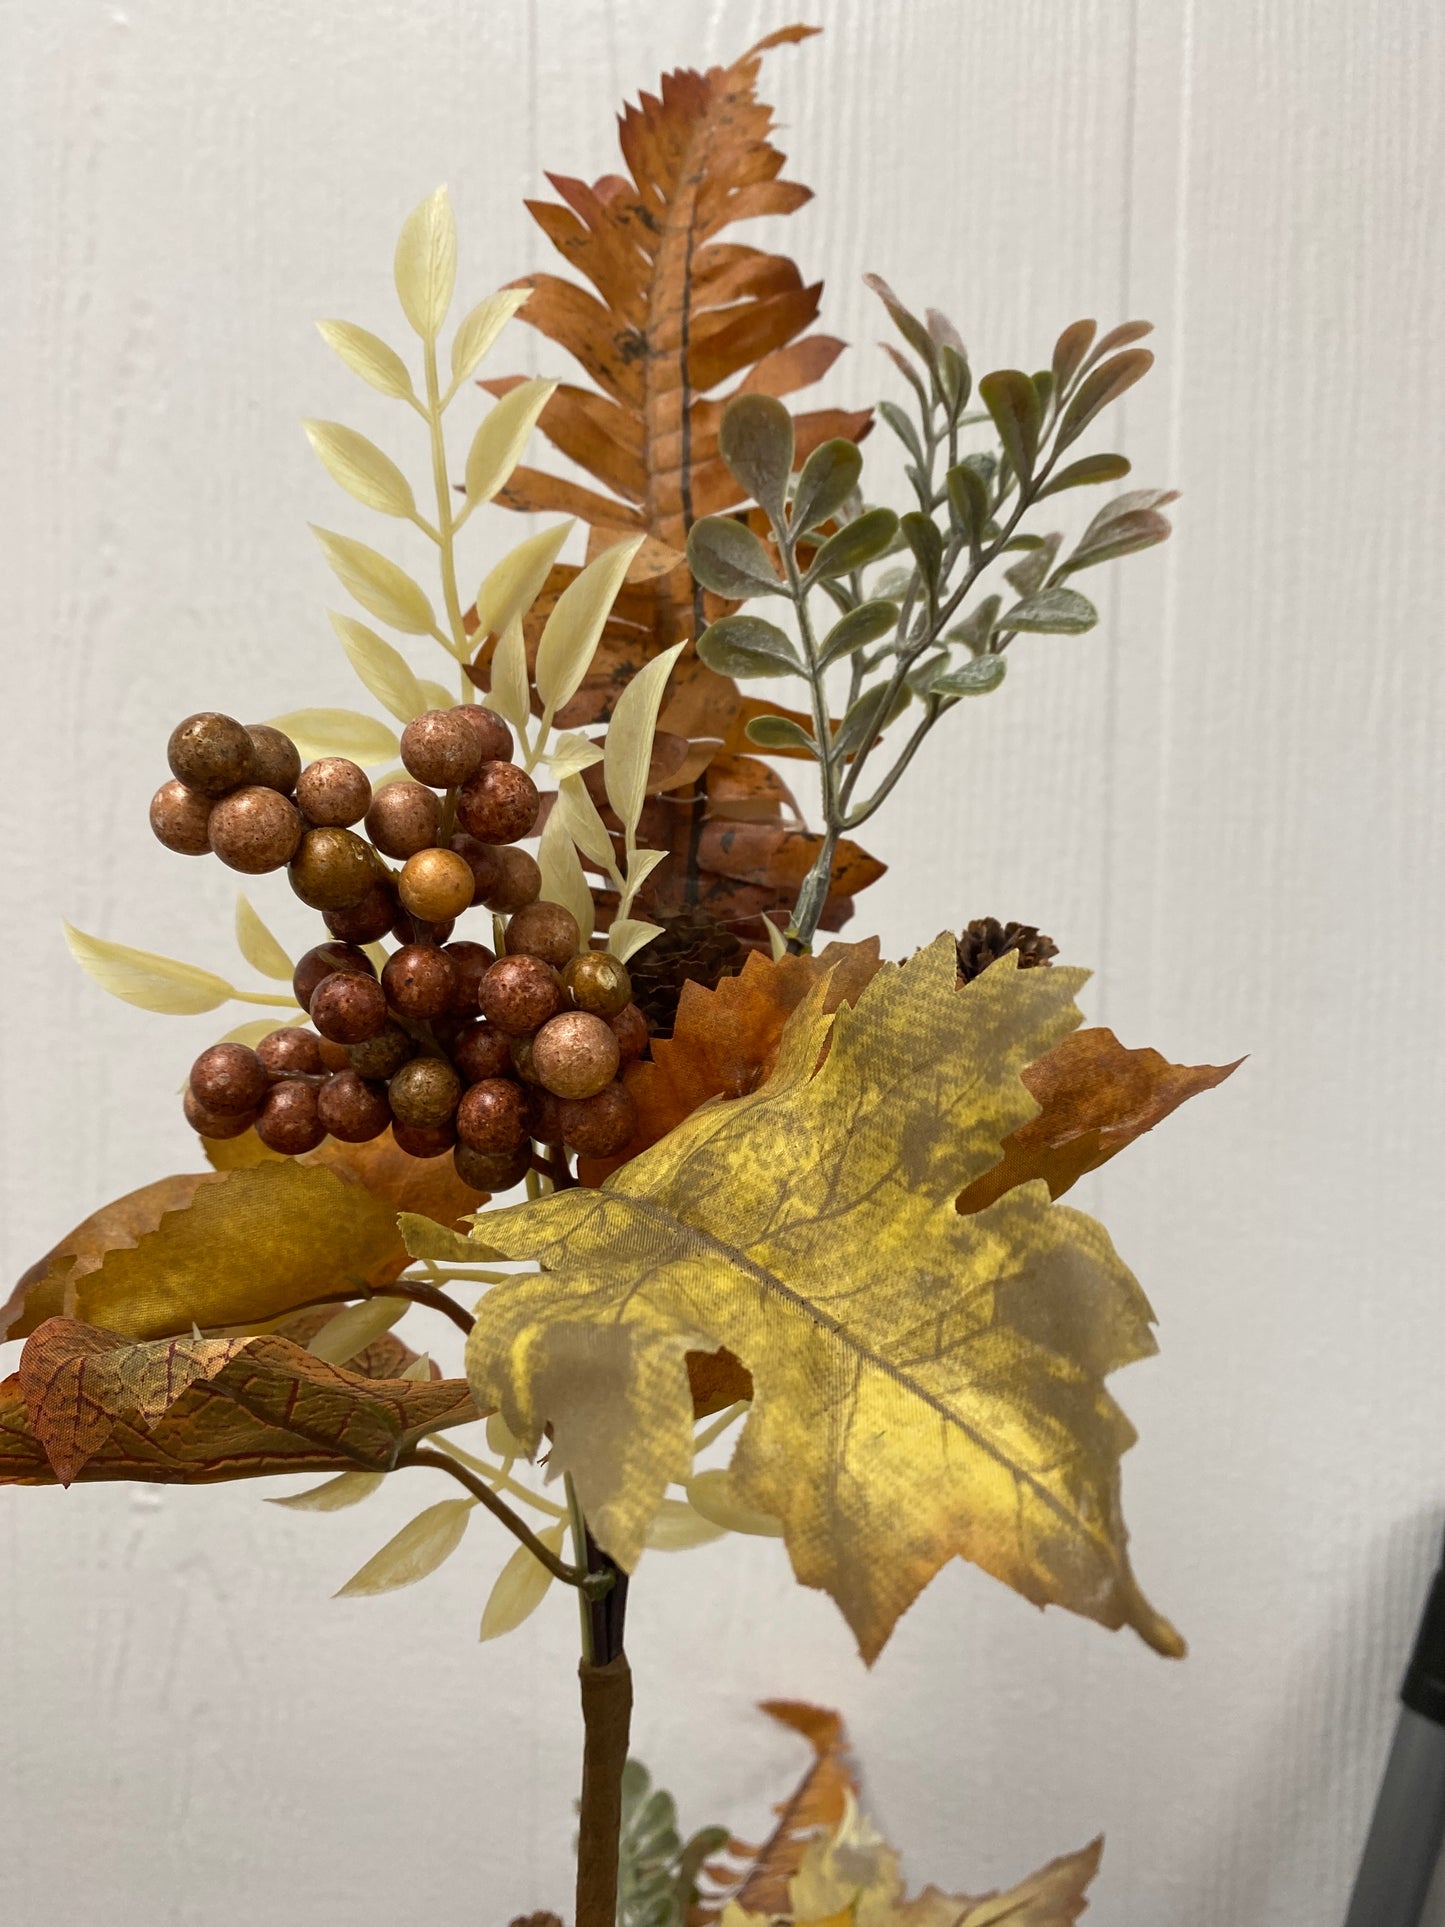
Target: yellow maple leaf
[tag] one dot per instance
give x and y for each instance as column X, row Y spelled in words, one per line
column 926, row 1385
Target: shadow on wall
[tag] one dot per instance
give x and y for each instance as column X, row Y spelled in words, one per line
column 1292, row 1831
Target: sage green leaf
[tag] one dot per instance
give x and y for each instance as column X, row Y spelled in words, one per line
column 1026, row 578
column 921, row 534
column 748, row 646
column 856, row 544
column 726, row 557
column 1106, row 384
column 779, row 732
column 974, row 678
column 829, row 477
column 1013, row 402
column 907, row 323
column 857, row 629
column 955, row 378
column 1069, row 352
column 874, row 710
column 1055, row 612
column 1084, row 472
column 1122, row 527
column 755, row 439
column 978, row 625
column 901, row 423
column 968, row 501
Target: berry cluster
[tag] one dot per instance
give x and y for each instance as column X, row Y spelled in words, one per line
column 452, row 1047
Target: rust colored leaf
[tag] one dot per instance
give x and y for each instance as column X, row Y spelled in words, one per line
column 673, row 312
column 717, row 1380
column 819, row 1801
column 1097, row 1097
column 725, row 1043
column 87, row 1404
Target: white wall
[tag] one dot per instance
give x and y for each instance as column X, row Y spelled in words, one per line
column 1227, row 800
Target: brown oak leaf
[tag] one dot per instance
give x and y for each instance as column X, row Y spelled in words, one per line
column 819, row 1800
column 88, row 1404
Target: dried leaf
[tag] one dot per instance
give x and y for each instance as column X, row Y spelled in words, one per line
column 257, row 945
column 369, row 356
column 143, row 978
column 887, row 1438
column 521, row 1586
column 270, row 1408
column 382, row 589
column 1096, row 1097
column 354, row 1328
column 497, row 446
column 361, row 468
column 339, row 732
column 820, row 1800
column 426, row 264
column 384, row 670
column 423, row 1544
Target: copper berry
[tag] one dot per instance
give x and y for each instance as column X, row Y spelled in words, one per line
column 275, row 759
column 499, row 805
column 254, row 830
column 600, row 1126
column 292, row 1052
column 351, row 1109
column 491, row 1170
column 403, row 818
column 545, row 930
column 491, row 732
column 435, row 884
column 333, row 790
column 575, row 1054
column 332, row 869
column 419, row 980
column 217, row 1124
column 181, row 818
column 425, row 1092
column 518, row 882
column 210, row 752
column 320, row 962
column 519, row 994
column 598, row 982
column 289, row 1120
column 479, row 1050
column 348, row 1008
column 229, row 1077
column 440, row 748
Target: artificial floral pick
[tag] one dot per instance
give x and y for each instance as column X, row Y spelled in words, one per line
column 784, row 1255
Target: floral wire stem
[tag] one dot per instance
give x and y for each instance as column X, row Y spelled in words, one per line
column 592, row 1585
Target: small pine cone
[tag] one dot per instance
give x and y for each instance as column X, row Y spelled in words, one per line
column 693, row 948
column 986, row 940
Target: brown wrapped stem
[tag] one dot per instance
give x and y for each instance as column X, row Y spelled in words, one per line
column 607, row 1718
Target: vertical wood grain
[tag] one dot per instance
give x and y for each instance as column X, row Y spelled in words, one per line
column 1227, row 800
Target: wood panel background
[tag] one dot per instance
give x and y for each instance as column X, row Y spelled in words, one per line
column 1227, row 800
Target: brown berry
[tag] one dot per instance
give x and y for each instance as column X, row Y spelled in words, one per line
column 491, row 1170
column 321, row 962
column 596, row 981
column 575, row 1054
column 492, row 1115
column 519, row 994
column 544, row 1115
column 419, row 980
column 334, row 1057
column 403, row 819
column 292, row 1052
column 521, row 1051
column 417, row 930
column 519, row 882
column 348, row 1008
column 229, row 1077
column 333, row 790
column 181, row 819
column 218, row 1124
column 435, row 884
column 254, row 830
column 425, row 1091
column 483, row 862
column 289, row 1121
column 424, row 1140
column 480, row 1051
column 440, row 748
column 351, row 1109
column 492, row 733
column 545, row 930
column 629, row 1027
column 332, row 869
column 600, row 1126
column 368, row 920
column 471, row 961
column 499, row 804
column 275, row 759
column 210, row 752
column 383, row 1055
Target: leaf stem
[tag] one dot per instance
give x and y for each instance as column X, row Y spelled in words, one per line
column 499, row 1480
column 446, row 526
